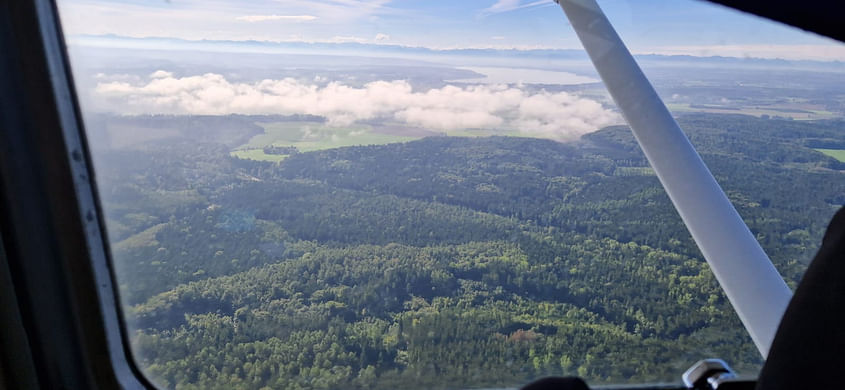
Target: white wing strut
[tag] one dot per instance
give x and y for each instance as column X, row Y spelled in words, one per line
column 753, row 285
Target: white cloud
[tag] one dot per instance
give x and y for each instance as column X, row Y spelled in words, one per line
column 264, row 18
column 160, row 74
column 512, row 5
column 503, row 5
column 382, row 37
column 497, row 37
column 557, row 115
column 345, row 39
column 222, row 19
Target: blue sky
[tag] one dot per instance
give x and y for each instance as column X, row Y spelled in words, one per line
column 648, row 26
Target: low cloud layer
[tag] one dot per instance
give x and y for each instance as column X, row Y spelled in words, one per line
column 559, row 115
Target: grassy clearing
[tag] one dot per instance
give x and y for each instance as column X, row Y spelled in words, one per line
column 310, row 136
column 757, row 111
column 633, row 171
column 142, row 239
column 838, row 154
column 257, row 154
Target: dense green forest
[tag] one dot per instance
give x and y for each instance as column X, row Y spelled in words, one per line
column 445, row 262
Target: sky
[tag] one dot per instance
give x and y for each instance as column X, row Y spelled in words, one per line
column 691, row 27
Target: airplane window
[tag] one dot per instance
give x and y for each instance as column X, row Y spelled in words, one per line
column 385, row 194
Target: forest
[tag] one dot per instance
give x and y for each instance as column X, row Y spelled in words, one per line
column 445, row 262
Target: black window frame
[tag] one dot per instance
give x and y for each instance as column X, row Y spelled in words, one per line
column 62, row 326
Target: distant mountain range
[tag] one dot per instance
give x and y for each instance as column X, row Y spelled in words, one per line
column 386, row 50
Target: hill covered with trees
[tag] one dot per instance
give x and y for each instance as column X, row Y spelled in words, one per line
column 446, row 262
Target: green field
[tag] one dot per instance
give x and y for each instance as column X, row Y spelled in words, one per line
column 798, row 114
column 633, row 171
column 838, row 154
column 310, row 136
column 257, row 154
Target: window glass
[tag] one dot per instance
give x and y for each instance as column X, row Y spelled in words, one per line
column 436, row 194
